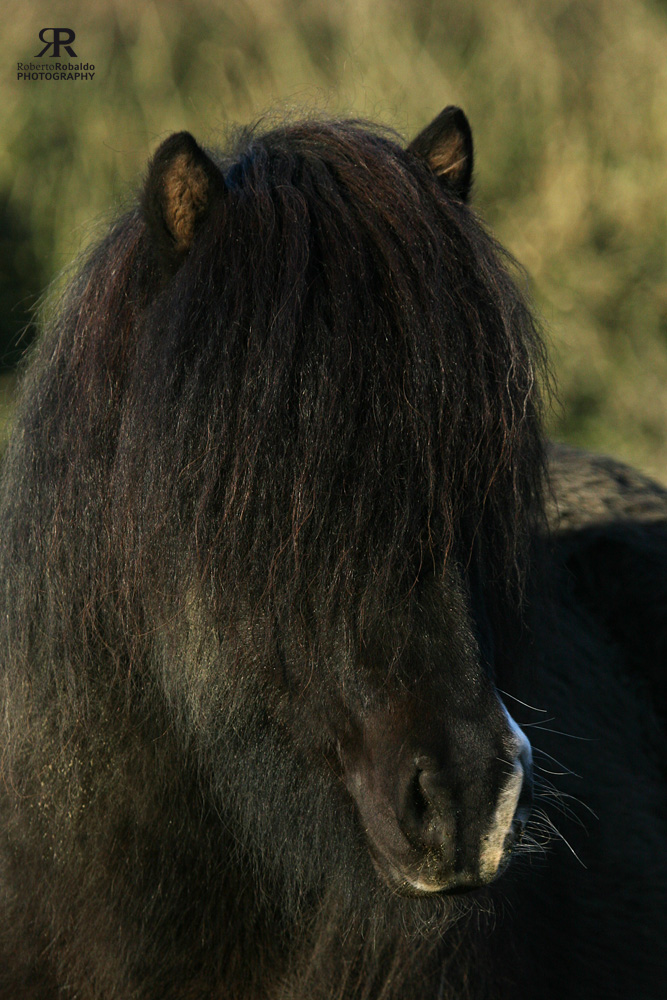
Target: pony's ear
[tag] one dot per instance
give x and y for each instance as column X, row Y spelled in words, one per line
column 446, row 146
column 182, row 186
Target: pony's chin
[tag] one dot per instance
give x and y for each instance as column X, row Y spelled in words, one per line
column 418, row 885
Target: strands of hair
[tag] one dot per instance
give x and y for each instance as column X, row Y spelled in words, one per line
column 342, row 375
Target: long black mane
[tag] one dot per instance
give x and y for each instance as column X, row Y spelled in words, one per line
column 336, row 394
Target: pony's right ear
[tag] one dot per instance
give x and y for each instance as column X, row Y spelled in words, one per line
column 182, row 186
column 446, row 147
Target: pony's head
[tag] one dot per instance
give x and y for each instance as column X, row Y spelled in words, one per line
column 294, row 398
column 350, row 372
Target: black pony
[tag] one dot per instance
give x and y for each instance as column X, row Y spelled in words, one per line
column 279, row 528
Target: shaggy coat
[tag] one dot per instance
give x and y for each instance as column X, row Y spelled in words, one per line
column 283, row 554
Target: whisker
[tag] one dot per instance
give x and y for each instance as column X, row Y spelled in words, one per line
column 566, row 795
column 565, row 810
column 547, row 789
column 540, row 835
column 506, row 694
column 556, row 761
column 558, row 732
column 555, row 829
column 530, row 845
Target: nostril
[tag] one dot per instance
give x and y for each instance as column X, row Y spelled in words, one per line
column 426, row 807
column 418, row 801
column 415, row 806
column 432, row 786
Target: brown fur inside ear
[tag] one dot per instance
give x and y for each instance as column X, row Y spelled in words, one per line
column 449, row 157
column 446, row 146
column 185, row 198
column 183, row 184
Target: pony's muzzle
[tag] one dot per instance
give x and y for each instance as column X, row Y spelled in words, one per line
column 445, row 822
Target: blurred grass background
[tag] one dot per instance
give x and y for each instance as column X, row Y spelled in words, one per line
column 568, row 103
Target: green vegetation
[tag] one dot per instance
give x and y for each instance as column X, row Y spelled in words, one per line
column 568, row 102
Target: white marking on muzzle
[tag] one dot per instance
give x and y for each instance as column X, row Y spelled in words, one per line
column 493, row 842
column 425, row 887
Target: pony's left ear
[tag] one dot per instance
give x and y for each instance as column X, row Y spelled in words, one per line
column 446, row 146
column 182, row 186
